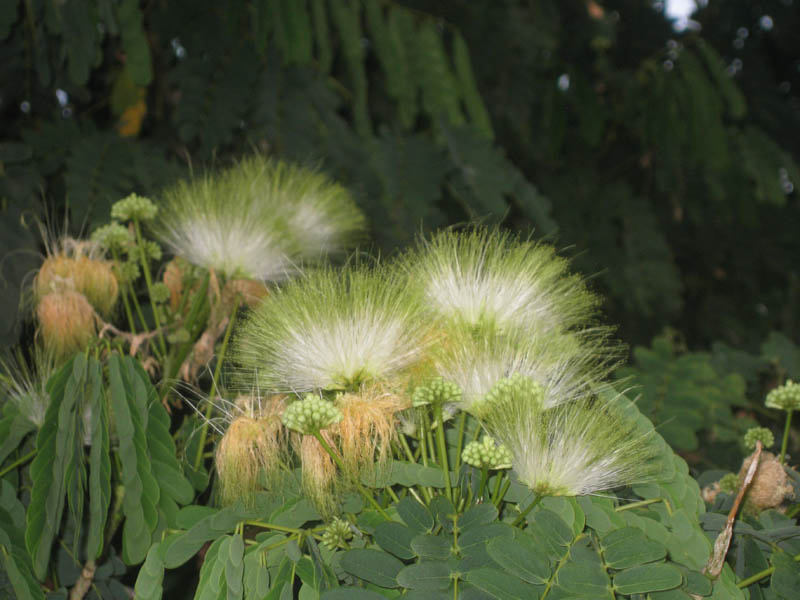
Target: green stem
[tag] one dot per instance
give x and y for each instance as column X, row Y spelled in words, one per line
column 462, row 420
column 761, row 574
column 638, row 504
column 498, row 482
column 484, row 479
column 406, row 448
column 443, row 461
column 18, row 462
column 149, row 282
column 213, row 393
column 264, row 525
column 125, row 302
column 335, row 456
column 506, row 485
column 525, row 512
column 785, row 435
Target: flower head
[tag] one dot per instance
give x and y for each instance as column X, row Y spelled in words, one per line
column 758, row 434
column 564, row 365
column 582, row 447
column 785, row 397
column 487, row 277
column 134, row 207
column 310, row 415
column 258, row 219
column 486, row 454
column 331, row 330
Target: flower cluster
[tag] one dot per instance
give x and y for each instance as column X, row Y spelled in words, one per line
column 134, row 208
column 758, row 434
column 785, row 397
column 486, row 454
column 336, row 534
column 311, row 414
column 437, row 391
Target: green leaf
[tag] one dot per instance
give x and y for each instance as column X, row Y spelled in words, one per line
column 372, row 565
column 395, row 538
column 23, row 584
column 256, row 576
column 208, row 528
column 480, row 514
column 647, row 578
column 99, row 463
column 428, row 575
column 469, row 89
column 14, row 426
column 134, row 42
column 129, row 403
column 499, row 585
column 55, row 446
column 481, row 534
column 786, row 578
column 522, row 558
column 351, row 593
column 431, row 546
column 628, row 547
column 583, row 574
column 234, row 568
column 444, row 512
column 151, row 575
column 415, row 515
column 212, row 573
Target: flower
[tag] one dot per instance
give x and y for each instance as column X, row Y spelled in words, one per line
column 785, row 397
column 331, row 330
column 254, row 443
column 581, row 447
column 485, row 277
column 565, row 365
column 258, row 219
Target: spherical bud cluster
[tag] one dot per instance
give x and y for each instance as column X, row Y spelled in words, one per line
column 786, row 397
column 112, row 236
column 160, row 292
column 336, row 534
column 516, row 386
column 438, row 391
column 152, row 250
column 134, row 207
column 311, row 414
column 486, row 454
column 758, row 434
column 729, row 484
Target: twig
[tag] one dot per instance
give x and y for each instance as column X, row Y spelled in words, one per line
column 84, row 582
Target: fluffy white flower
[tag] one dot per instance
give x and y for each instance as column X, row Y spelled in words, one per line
column 488, row 277
column 332, row 330
column 259, row 219
column 582, row 447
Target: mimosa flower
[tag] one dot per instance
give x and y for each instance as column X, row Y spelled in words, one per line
column 331, row 330
column 582, row 447
column 259, row 219
column 488, row 277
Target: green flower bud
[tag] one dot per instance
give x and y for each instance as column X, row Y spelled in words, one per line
column 755, row 434
column 516, row 386
column 311, row 414
column 134, row 207
column 112, row 235
column 486, row 453
column 181, row 336
column 785, row 397
column 729, row 483
column 437, row 391
column 336, row 534
column 160, row 292
column 129, row 271
column 152, row 250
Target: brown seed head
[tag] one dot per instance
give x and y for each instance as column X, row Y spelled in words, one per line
column 66, row 322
